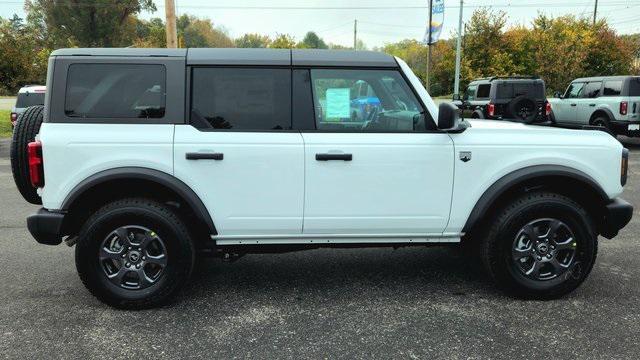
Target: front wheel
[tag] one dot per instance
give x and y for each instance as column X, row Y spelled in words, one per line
column 542, row 245
column 134, row 253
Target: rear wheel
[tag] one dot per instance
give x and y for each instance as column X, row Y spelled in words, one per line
column 601, row 121
column 542, row 245
column 134, row 253
column 24, row 132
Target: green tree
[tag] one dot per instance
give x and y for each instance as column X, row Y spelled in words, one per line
column 253, row 41
column 195, row 32
column 23, row 60
column 97, row 23
column 312, row 41
column 283, row 41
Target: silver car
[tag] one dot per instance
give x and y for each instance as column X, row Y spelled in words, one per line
column 29, row 95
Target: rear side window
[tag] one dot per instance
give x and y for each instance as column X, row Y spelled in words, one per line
column 612, row 88
column 592, row 89
column 29, row 99
column 241, row 98
column 115, row 91
column 483, row 91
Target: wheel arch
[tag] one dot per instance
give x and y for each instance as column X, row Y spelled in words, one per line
column 602, row 112
column 112, row 184
column 564, row 180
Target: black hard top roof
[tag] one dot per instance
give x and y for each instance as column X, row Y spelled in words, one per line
column 241, row 56
column 601, row 78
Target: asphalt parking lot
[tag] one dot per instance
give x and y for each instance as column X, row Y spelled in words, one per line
column 372, row 303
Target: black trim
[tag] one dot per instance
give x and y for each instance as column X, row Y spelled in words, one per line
column 617, row 215
column 512, row 179
column 46, row 226
column 622, row 128
column 164, row 179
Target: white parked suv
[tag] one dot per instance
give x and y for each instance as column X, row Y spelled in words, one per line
column 146, row 157
column 612, row 102
column 30, row 95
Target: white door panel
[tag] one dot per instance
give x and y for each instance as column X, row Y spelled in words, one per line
column 257, row 187
column 395, row 183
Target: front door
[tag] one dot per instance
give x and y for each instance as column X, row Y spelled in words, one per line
column 382, row 173
column 239, row 153
column 566, row 108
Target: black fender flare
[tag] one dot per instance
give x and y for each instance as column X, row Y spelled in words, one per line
column 607, row 111
column 520, row 176
column 141, row 173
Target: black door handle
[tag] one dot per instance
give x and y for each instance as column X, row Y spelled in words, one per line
column 204, row 156
column 592, row 104
column 573, row 104
column 327, row 157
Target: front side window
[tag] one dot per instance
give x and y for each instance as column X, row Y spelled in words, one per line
column 387, row 104
column 612, row 88
column 249, row 99
column 470, row 94
column 115, row 91
column 592, row 89
column 574, row 90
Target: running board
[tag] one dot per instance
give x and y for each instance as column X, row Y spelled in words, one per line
column 335, row 239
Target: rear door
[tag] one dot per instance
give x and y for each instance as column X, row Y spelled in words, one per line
column 387, row 176
column 587, row 104
column 239, row 153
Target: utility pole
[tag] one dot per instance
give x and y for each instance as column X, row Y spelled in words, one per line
column 429, row 46
column 170, row 13
column 595, row 13
column 355, row 34
column 456, row 84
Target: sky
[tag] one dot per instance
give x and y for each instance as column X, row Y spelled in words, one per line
column 379, row 21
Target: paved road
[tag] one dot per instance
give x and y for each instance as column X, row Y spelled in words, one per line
column 375, row 303
column 7, row 103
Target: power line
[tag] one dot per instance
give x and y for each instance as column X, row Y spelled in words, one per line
column 374, row 7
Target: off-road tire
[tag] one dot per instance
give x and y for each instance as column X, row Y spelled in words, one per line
column 143, row 212
column 496, row 248
column 24, row 132
column 514, row 106
column 601, row 121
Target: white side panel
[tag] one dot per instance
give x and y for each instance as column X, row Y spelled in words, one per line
column 499, row 148
column 258, row 187
column 73, row 152
column 396, row 183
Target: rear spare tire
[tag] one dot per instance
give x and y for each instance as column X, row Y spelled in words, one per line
column 522, row 108
column 24, row 132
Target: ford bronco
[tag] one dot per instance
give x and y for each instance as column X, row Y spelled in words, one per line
column 144, row 158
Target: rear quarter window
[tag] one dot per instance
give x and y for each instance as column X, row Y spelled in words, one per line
column 634, row 87
column 612, row 88
column 115, row 91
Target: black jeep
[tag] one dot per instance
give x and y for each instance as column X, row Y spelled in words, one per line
column 514, row 97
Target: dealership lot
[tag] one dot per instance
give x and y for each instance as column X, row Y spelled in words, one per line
column 380, row 303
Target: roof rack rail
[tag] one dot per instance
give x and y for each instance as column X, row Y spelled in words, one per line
column 530, row 77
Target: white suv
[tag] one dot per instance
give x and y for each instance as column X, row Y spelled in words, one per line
column 612, row 102
column 146, row 157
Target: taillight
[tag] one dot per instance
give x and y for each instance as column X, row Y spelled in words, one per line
column 14, row 118
column 491, row 109
column 623, row 107
column 547, row 109
column 36, row 164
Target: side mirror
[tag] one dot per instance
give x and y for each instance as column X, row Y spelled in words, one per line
column 456, row 97
column 448, row 117
column 557, row 94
